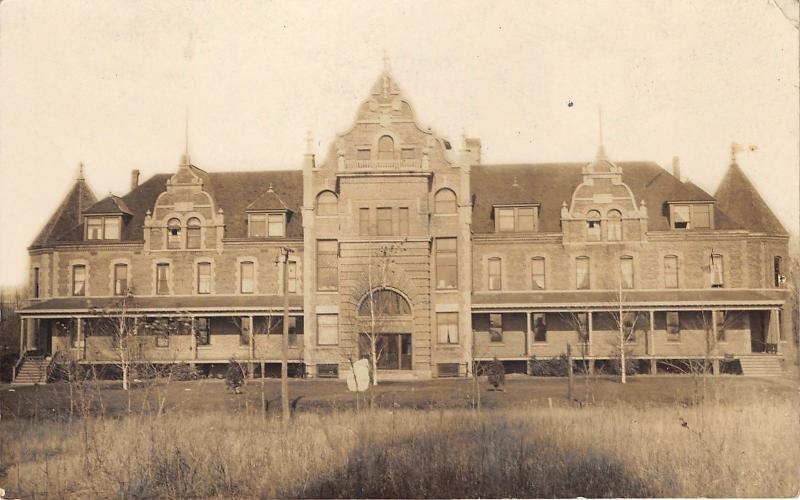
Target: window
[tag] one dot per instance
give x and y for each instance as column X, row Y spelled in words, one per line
column 445, row 201
column 327, row 265
column 363, row 154
column 327, row 329
column 120, row 279
column 296, row 327
column 402, row 221
column 193, row 233
column 581, row 324
column 582, row 278
column 626, row 271
column 384, row 221
column 721, row 318
column 701, row 216
column 247, row 271
column 384, row 303
column 408, row 153
column 671, row 271
column 363, row 221
column 162, row 279
column 495, row 274
column 173, row 233
column 778, row 276
column 291, row 270
column 244, row 332
column 204, row 278
column 258, row 225
column 515, row 219
column 446, row 264
column 673, row 323
column 94, row 228
column 447, row 369
column 386, row 148
column 328, row 371
column 593, row 228
column 447, row 327
column 682, row 216
column 537, row 273
column 35, row 288
column 202, row 327
column 275, row 225
column 717, row 271
column 539, row 322
column 79, row 280
column 495, row 327
column 111, row 228
column 327, row 204
column 614, row 225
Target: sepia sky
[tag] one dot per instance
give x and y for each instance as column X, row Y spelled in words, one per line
column 108, row 84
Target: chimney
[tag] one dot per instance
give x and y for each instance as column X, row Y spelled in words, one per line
column 134, row 179
column 473, row 147
column 676, row 167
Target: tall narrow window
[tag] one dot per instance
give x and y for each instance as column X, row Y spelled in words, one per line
column 111, row 228
column 204, row 277
column 582, row 278
column 626, row 271
column 120, row 279
column 247, row 273
column 384, row 221
column 446, row 264
column 496, row 327
column 193, row 233
column 539, row 322
column 174, row 234
column 291, row 269
column 778, row 275
column 327, row 204
column 447, row 327
column 258, row 225
column 94, row 228
column 35, row 285
column 495, row 273
column 593, row 228
column 386, row 148
column 363, row 221
column 202, row 327
column 537, row 273
column 673, row 322
column 671, row 271
column 614, row 225
column 79, row 280
column 276, row 226
column 327, row 265
column 162, row 279
column 327, row 329
column 717, row 271
column 444, row 202
column 402, row 221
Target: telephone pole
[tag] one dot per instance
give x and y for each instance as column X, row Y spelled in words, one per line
column 285, row 345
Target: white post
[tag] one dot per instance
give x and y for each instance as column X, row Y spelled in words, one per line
column 79, row 326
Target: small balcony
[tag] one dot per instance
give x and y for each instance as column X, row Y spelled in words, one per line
column 393, row 165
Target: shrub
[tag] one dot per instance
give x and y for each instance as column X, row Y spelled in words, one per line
column 549, row 367
column 184, row 371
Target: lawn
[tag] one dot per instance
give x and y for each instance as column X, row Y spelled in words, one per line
column 655, row 436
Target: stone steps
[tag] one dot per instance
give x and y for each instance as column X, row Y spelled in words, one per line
column 761, row 366
column 32, row 371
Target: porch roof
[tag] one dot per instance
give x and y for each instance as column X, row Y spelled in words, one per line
column 594, row 299
column 187, row 304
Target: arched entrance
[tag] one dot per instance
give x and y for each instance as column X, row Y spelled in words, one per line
column 385, row 319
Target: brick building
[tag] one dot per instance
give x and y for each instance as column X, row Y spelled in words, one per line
column 445, row 259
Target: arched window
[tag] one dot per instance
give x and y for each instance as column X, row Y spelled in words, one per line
column 626, row 271
column 445, row 201
column 614, row 225
column 671, row 271
column 385, row 148
column 383, row 303
column 193, row 233
column 174, row 233
column 593, row 225
column 327, row 203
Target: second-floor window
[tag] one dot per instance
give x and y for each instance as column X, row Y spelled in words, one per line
column 162, row 279
column 384, row 221
column 778, row 274
column 717, row 271
column 445, row 201
column 327, row 204
column 174, row 234
column 593, row 227
column 614, row 225
column 246, row 277
column 671, row 271
column 193, row 231
column 120, row 279
column 582, row 278
column 35, row 285
column 537, row 273
column 446, row 264
column 327, row 265
column 626, row 271
column 291, row 270
column 495, row 273
column 204, row 277
column 79, row 280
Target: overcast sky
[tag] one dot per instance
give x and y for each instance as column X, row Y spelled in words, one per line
column 107, row 84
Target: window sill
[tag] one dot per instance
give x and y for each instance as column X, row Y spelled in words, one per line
column 447, row 290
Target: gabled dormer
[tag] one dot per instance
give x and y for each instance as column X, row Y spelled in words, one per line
column 106, row 219
column 267, row 216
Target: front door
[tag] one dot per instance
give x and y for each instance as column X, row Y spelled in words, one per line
column 758, row 331
column 393, row 350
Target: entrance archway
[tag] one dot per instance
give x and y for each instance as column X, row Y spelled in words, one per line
column 384, row 317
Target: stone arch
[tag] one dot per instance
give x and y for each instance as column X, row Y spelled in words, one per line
column 388, row 301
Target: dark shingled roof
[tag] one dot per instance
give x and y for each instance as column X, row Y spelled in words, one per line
column 600, row 298
column 68, row 215
column 551, row 184
column 162, row 302
column 738, row 198
column 269, row 200
column 109, row 205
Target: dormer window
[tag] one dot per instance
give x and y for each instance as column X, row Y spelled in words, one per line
column 193, row 231
column 519, row 219
column 174, row 234
column 691, row 216
column 103, row 228
column 267, row 225
column 593, row 228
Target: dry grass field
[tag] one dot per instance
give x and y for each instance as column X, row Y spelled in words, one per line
column 653, row 437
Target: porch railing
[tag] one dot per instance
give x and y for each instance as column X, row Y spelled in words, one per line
column 21, row 358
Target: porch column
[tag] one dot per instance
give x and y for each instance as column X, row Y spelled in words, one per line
column 22, row 335
column 194, row 339
column 528, row 342
column 774, row 335
column 252, row 372
column 651, row 346
column 712, row 346
column 79, row 335
column 589, row 333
